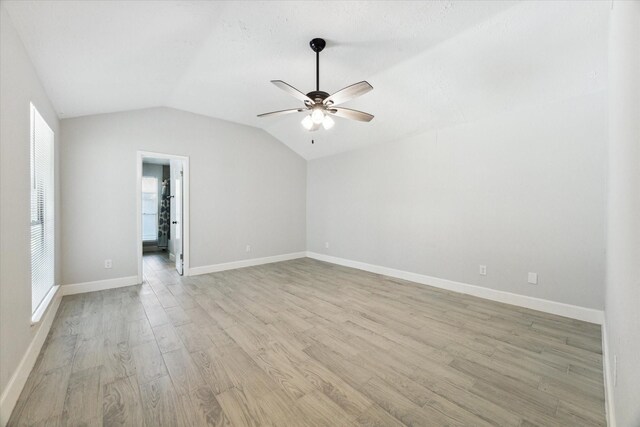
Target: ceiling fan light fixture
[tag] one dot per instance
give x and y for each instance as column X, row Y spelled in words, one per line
column 307, row 122
column 327, row 123
column 319, row 104
column 317, row 116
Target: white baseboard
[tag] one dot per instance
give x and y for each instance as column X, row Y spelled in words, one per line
column 99, row 285
column 547, row 306
column 19, row 378
column 195, row 271
column 608, row 378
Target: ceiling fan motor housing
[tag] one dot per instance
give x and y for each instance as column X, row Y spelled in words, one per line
column 318, row 96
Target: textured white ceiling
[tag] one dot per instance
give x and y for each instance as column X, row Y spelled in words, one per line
column 432, row 64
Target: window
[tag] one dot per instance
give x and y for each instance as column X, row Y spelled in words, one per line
column 149, row 209
column 42, row 210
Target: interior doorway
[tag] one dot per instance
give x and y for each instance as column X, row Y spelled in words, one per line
column 162, row 214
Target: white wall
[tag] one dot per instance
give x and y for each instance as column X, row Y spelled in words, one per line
column 246, row 189
column 522, row 191
column 623, row 215
column 19, row 85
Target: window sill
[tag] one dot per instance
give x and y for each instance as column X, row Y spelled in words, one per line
column 42, row 308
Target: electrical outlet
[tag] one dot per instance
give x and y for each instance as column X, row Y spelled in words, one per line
column 533, row 278
column 483, row 270
column 326, row 245
column 108, row 263
column 248, row 248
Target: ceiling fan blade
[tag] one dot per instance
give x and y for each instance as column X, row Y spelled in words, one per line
column 282, row 112
column 348, row 113
column 349, row 92
column 293, row 91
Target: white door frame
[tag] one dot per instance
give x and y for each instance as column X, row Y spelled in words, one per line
column 140, row 155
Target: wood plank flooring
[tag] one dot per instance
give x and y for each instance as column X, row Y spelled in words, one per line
column 305, row 343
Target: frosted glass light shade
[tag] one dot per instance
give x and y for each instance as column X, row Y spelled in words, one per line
column 307, row 122
column 327, row 123
column 317, row 116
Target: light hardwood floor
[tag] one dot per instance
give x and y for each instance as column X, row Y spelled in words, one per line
column 305, row 343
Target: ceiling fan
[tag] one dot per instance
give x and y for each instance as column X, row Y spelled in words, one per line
column 320, row 105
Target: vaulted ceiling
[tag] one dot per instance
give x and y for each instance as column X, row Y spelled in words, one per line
column 432, row 64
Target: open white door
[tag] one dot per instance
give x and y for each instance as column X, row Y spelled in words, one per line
column 177, row 227
column 178, row 242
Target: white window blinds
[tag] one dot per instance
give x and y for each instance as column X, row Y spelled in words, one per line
column 42, row 209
